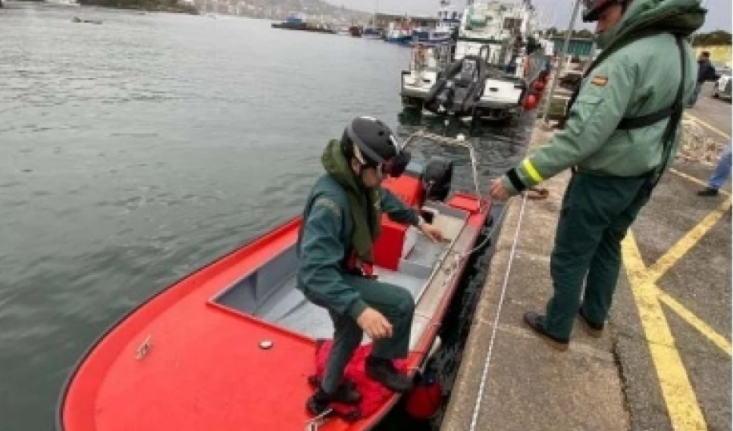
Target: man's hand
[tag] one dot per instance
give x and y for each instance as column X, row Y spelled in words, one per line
column 498, row 191
column 430, row 231
column 374, row 324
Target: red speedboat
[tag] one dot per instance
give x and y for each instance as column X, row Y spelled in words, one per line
column 231, row 346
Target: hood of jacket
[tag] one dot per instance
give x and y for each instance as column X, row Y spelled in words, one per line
column 682, row 17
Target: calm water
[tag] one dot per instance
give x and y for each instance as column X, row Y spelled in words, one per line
column 135, row 151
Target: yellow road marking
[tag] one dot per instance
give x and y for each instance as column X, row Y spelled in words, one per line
column 694, row 180
column 684, row 411
column 652, row 274
column 685, row 244
column 695, row 321
column 709, row 126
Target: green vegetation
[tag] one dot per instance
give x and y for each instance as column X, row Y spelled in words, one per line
column 579, row 34
column 150, row 5
column 718, row 37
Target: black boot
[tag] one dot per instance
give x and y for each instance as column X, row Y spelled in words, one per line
column 345, row 394
column 536, row 322
column 318, row 403
column 708, row 192
column 383, row 371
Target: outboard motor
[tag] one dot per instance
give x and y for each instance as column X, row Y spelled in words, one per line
column 459, row 87
column 437, row 178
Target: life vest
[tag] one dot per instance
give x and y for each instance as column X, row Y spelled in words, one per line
column 373, row 394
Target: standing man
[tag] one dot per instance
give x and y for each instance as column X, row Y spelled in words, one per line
column 341, row 221
column 619, row 135
column 705, row 72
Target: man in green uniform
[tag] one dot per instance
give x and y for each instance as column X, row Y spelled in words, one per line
column 619, row 135
column 341, row 222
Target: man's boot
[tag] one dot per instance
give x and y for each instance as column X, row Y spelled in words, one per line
column 708, row 192
column 383, row 371
column 346, row 393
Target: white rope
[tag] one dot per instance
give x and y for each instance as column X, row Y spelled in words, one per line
column 485, row 371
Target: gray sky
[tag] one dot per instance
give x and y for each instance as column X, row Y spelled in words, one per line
column 718, row 18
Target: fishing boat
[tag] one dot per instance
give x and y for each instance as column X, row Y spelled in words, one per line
column 231, row 346
column 448, row 20
column 504, row 36
column 431, row 36
column 399, row 35
column 297, row 21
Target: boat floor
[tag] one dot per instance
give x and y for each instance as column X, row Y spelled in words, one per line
column 281, row 303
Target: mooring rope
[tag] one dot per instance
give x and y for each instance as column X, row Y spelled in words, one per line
column 487, row 362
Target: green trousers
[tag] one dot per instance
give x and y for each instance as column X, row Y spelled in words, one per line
column 595, row 216
column 396, row 305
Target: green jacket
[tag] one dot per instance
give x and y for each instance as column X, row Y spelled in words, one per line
column 325, row 244
column 631, row 80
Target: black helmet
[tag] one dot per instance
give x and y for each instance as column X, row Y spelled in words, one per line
column 592, row 9
column 373, row 144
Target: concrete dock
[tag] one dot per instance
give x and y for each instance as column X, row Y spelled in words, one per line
column 664, row 362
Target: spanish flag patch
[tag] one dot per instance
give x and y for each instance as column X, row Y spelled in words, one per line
column 599, row 80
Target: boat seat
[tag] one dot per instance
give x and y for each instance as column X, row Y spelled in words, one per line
column 466, row 76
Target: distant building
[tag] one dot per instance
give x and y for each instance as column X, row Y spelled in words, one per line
column 579, row 48
column 383, row 20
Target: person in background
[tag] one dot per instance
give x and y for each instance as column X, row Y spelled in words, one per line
column 720, row 175
column 705, row 72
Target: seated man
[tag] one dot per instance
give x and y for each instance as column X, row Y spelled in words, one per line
column 341, row 221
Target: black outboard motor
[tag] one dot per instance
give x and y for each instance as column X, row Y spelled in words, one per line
column 437, row 178
column 459, row 87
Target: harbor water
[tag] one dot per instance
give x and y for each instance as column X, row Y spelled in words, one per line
column 139, row 149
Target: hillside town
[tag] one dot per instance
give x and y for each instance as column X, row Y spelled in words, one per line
column 317, row 11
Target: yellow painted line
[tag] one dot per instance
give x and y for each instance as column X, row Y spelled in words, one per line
column 694, row 180
column 708, row 125
column 696, row 322
column 684, row 411
column 685, row 244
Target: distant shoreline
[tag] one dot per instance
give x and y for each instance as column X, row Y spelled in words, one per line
column 141, row 5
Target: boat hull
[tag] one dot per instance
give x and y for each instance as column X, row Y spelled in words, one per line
column 230, row 346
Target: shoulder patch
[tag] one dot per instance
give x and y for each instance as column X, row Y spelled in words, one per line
column 599, row 80
column 329, row 204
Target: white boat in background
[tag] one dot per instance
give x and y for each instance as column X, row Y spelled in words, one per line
column 73, row 3
column 497, row 57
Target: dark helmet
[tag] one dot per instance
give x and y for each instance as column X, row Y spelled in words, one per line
column 592, row 9
column 373, row 144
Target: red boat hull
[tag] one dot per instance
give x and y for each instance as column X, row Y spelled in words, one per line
column 183, row 361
